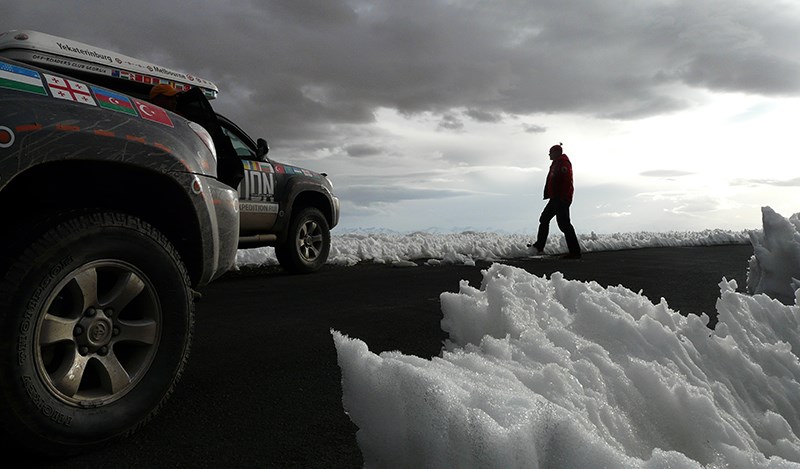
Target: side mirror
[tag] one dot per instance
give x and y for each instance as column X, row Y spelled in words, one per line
column 262, row 148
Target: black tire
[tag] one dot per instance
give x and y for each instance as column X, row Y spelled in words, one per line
column 96, row 322
column 308, row 243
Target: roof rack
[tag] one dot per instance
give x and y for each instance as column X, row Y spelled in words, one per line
column 42, row 49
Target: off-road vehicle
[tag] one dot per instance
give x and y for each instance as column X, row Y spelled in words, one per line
column 282, row 205
column 113, row 218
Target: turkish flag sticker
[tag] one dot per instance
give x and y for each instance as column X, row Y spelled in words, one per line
column 152, row 112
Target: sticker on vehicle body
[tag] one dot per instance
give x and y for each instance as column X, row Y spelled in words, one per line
column 257, row 166
column 257, row 186
column 21, row 79
column 6, row 137
column 152, row 112
column 246, row 207
column 295, row 170
column 70, row 90
column 132, row 76
column 148, row 79
column 24, row 79
column 285, row 169
column 114, row 101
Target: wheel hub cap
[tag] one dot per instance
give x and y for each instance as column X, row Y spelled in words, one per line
column 94, row 330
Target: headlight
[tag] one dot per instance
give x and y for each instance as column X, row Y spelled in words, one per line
column 205, row 137
column 325, row 175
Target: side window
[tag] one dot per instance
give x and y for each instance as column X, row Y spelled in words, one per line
column 244, row 151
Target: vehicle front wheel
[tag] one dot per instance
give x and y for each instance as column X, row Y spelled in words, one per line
column 96, row 320
column 308, row 243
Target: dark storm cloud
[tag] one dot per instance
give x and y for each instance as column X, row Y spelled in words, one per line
column 763, row 73
column 362, row 150
column 295, row 70
column 484, row 116
column 534, row 129
column 451, row 122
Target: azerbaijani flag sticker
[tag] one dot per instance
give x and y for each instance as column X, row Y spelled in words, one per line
column 21, row 79
column 114, row 101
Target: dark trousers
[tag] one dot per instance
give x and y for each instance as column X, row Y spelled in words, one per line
column 560, row 210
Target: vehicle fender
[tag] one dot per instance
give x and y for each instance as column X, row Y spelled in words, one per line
column 304, row 192
column 48, row 139
column 42, row 129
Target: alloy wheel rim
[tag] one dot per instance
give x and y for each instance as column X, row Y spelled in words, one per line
column 310, row 240
column 99, row 333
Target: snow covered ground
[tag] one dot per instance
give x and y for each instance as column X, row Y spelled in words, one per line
column 551, row 372
column 465, row 248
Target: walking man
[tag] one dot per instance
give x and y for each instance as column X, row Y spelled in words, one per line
column 558, row 189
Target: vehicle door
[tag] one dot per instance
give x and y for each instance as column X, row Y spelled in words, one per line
column 193, row 105
column 259, row 203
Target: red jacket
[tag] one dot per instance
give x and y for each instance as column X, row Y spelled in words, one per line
column 559, row 180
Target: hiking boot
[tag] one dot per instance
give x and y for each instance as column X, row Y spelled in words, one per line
column 536, row 248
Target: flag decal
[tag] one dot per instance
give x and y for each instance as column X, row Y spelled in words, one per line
column 114, row 101
column 70, row 90
column 152, row 112
column 21, row 78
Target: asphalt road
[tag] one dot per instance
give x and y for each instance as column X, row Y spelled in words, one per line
column 262, row 388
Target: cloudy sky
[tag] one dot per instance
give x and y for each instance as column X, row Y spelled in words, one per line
column 676, row 114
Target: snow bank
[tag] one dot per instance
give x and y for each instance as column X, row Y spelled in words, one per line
column 465, row 248
column 774, row 268
column 559, row 373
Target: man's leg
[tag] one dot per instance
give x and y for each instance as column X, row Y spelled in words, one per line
column 544, row 225
column 565, row 225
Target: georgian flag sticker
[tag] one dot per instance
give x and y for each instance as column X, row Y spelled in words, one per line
column 152, row 112
column 70, row 90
